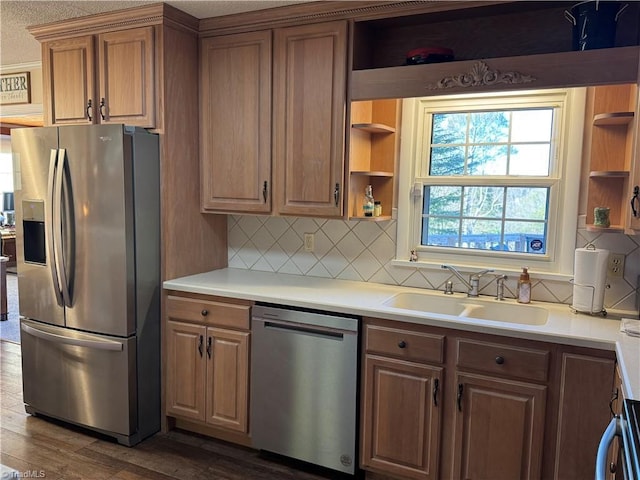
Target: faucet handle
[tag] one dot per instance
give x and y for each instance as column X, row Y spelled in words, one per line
column 448, row 288
column 500, row 286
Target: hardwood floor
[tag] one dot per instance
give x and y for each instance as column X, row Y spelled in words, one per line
column 39, row 448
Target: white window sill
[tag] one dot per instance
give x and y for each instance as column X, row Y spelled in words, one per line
column 535, row 274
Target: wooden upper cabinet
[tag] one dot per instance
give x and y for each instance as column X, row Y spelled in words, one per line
column 235, row 127
column 309, row 117
column 108, row 78
column 68, row 79
column 126, row 76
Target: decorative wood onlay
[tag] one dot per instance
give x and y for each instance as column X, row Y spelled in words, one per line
column 156, row 14
column 314, row 12
column 479, row 76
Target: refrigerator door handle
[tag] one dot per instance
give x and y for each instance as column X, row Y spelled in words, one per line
column 78, row 342
column 50, row 222
column 57, row 211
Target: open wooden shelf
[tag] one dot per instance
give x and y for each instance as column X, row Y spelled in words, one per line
column 609, row 174
column 373, row 150
column 374, row 127
column 381, row 218
column 613, row 118
column 368, row 173
column 610, row 152
column 610, row 229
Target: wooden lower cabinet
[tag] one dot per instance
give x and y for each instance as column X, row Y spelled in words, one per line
column 227, row 383
column 444, row 403
column 583, row 412
column 207, row 365
column 186, row 370
column 207, row 374
column 499, row 428
column 394, row 441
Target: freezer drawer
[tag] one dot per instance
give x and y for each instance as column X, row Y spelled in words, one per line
column 81, row 378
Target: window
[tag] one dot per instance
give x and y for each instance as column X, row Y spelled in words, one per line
column 493, row 179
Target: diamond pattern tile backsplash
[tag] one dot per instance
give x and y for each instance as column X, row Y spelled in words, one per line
column 353, row 250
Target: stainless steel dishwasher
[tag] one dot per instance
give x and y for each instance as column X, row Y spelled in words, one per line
column 303, row 386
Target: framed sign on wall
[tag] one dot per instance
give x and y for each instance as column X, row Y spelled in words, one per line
column 15, row 88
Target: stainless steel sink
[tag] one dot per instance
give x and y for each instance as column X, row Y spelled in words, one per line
column 484, row 309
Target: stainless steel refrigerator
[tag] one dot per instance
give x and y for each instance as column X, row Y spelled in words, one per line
column 88, row 261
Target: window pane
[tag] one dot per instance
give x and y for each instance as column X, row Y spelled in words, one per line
column 442, row 232
column 529, row 203
column 530, row 160
column 447, row 161
column 481, row 234
column 449, row 128
column 531, row 236
column 487, row 160
column 443, row 201
column 531, row 125
column 489, row 127
column 483, row 202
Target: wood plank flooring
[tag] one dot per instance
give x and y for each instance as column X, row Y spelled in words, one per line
column 45, row 449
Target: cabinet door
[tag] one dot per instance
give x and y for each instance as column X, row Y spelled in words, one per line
column 127, row 80
column 498, row 428
column 228, row 378
column 633, row 215
column 586, row 388
column 309, row 116
column 401, row 417
column 68, row 82
column 186, row 370
column 235, row 131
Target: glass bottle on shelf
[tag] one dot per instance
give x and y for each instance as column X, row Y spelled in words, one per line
column 369, row 203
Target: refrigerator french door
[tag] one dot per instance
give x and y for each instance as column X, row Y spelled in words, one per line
column 88, row 262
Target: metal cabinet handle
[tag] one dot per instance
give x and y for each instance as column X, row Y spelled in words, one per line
column 614, row 397
column 209, row 347
column 436, row 386
column 635, row 199
column 336, row 193
column 200, row 341
column 265, row 191
column 402, row 344
column 459, row 398
column 204, row 312
column 89, row 109
column 102, row 107
column 499, row 360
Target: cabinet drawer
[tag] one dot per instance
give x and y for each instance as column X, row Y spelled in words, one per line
column 209, row 312
column 407, row 344
column 505, row 360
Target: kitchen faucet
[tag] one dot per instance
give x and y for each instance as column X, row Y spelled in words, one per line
column 474, row 280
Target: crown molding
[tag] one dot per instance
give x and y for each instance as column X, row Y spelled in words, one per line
column 155, row 14
column 321, row 11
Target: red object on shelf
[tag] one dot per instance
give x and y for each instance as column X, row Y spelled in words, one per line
column 429, row 55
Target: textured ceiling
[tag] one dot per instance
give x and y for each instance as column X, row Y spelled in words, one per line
column 17, row 46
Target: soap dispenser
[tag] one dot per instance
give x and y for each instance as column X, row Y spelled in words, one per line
column 524, row 286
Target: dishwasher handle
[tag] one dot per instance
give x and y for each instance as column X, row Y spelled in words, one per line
column 288, row 327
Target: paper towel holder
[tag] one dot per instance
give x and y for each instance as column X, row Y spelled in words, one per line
column 602, row 312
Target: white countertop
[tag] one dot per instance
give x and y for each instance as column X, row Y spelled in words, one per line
column 367, row 299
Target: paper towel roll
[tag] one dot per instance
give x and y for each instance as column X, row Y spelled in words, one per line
column 589, row 279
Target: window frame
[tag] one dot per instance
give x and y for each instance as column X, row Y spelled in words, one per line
column 563, row 179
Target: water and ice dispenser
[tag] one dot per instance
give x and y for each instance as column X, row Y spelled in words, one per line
column 33, row 226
